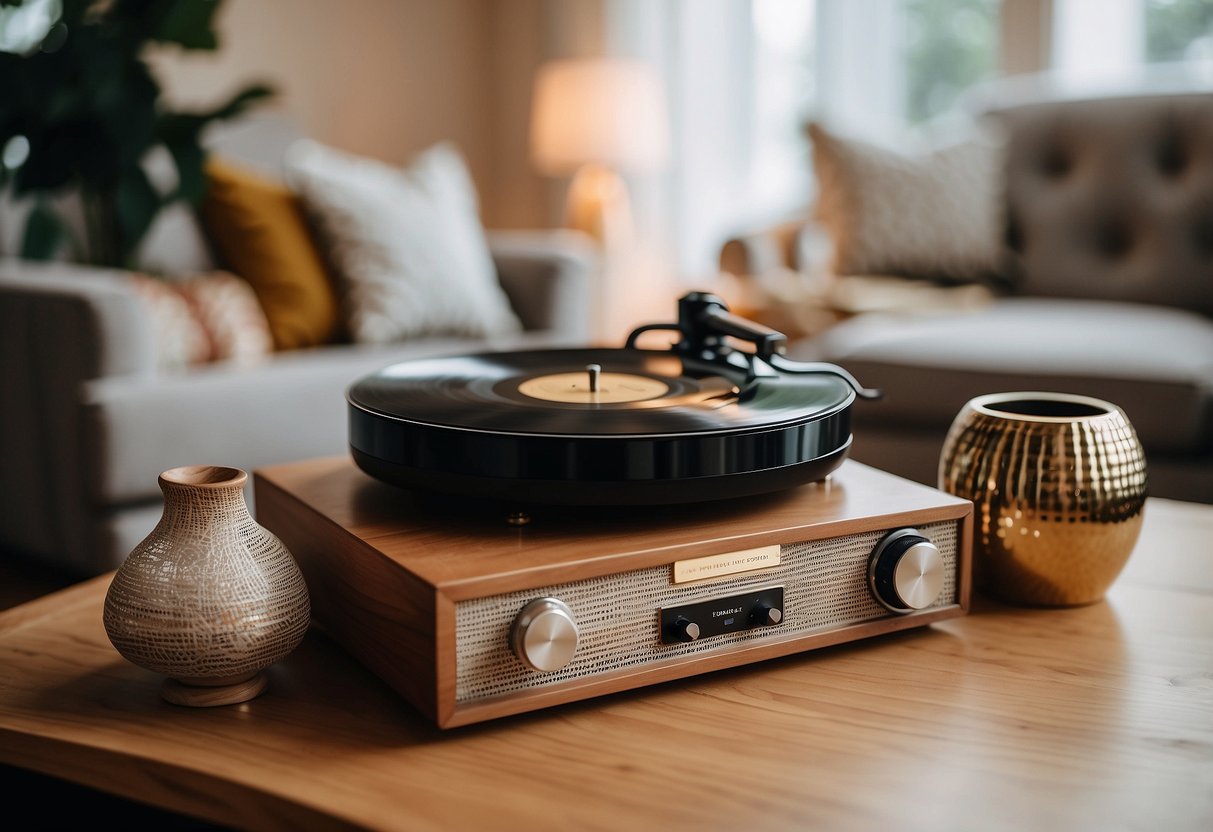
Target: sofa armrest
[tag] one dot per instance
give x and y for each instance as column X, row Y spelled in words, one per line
column 546, row 275
column 89, row 316
column 799, row 245
column 60, row 326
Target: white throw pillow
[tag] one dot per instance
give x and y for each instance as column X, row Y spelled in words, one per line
column 935, row 215
column 407, row 245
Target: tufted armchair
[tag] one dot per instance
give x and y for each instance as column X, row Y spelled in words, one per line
column 1108, row 219
column 1113, row 199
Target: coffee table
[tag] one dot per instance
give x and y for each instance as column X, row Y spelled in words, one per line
column 1100, row 716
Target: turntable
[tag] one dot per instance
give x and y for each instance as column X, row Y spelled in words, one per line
column 578, row 522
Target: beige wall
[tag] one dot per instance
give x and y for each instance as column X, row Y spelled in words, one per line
column 381, row 77
column 516, row 197
column 389, row 77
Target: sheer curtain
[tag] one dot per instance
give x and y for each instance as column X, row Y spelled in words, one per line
column 1136, row 44
column 743, row 76
column 742, row 82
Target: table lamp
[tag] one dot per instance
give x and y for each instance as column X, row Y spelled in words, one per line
column 591, row 118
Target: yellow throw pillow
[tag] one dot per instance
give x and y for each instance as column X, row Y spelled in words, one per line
column 258, row 230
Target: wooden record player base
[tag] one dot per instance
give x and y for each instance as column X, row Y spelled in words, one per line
column 1097, row 717
column 387, row 576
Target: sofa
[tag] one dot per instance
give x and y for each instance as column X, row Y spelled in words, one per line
column 89, row 417
column 88, row 421
column 1104, row 288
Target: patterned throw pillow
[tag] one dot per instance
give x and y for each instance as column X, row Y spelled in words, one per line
column 213, row 317
column 937, row 215
column 407, row 245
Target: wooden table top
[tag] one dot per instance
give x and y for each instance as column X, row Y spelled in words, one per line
column 1093, row 717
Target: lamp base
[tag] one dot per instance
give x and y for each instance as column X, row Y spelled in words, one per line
column 598, row 204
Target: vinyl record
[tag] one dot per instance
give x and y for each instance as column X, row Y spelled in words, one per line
column 597, row 426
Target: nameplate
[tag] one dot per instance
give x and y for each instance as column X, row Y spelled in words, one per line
column 730, row 563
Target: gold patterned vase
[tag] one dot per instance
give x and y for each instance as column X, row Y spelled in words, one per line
column 1058, row 484
column 209, row 598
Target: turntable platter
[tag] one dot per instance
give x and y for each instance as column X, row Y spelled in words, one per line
column 599, row 426
column 547, row 392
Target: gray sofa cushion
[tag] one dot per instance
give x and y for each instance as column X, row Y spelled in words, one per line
column 291, row 407
column 1156, row 363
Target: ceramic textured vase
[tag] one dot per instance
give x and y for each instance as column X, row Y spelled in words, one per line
column 1058, row 484
column 209, row 598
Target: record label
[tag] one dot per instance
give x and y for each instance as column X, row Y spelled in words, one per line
column 612, row 388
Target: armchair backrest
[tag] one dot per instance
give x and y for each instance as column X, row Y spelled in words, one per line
column 1113, row 198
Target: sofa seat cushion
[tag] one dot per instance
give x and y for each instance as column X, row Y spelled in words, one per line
column 290, row 407
column 1156, row 363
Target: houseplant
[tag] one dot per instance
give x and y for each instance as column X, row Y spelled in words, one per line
column 81, row 110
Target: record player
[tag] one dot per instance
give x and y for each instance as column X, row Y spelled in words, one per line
column 700, row 420
column 547, row 526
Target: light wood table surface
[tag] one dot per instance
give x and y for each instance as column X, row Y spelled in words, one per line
column 1098, row 717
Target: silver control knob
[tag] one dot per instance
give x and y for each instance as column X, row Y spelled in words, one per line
column 906, row 571
column 544, row 635
column 764, row 615
column 686, row 630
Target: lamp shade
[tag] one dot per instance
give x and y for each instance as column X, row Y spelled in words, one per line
column 602, row 111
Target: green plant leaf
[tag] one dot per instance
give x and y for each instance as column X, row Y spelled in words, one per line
column 190, row 160
column 91, row 109
column 188, row 23
column 45, row 232
column 127, row 109
column 78, row 153
column 181, row 134
column 239, row 102
column 176, row 128
column 179, row 128
column 136, row 202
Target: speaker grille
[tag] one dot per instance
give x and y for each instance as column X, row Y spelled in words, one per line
column 825, row 587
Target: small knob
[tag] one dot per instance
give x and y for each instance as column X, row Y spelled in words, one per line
column 906, row 571
column 764, row 615
column 685, row 629
column 544, row 635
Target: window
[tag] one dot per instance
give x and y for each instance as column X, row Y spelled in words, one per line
column 1179, row 30
column 750, row 73
column 950, row 45
column 784, row 89
column 1131, row 36
column 886, row 64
